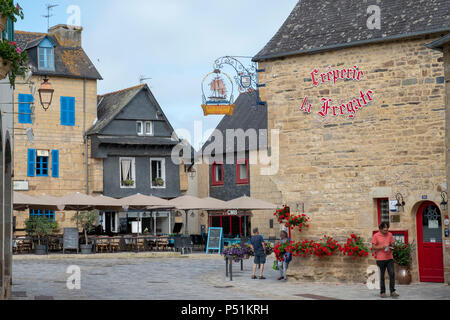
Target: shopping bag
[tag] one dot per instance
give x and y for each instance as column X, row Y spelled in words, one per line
column 275, row 266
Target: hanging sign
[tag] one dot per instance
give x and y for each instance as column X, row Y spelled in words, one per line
column 217, row 88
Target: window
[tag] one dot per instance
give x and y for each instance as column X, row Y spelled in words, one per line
column 43, row 213
column 383, row 210
column 41, row 166
column 25, row 101
column 217, row 174
column 158, row 173
column 46, row 56
column 67, row 111
column 38, row 163
column 140, row 128
column 242, row 171
column 148, row 128
column 127, row 173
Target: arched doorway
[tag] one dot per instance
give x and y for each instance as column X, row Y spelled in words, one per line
column 429, row 243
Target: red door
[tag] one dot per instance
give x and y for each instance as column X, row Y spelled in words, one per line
column 429, row 243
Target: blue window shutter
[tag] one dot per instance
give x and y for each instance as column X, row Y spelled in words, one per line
column 63, row 111
column 21, row 108
column 55, row 164
column 67, row 111
column 25, row 108
column 31, row 162
column 71, row 111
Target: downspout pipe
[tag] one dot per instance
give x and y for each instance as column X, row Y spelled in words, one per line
column 85, row 137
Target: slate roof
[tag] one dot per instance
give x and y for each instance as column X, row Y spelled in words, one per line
column 247, row 115
column 319, row 25
column 71, row 62
column 110, row 105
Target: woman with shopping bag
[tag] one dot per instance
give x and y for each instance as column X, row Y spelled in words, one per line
column 284, row 264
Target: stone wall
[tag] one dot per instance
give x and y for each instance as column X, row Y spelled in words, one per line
column 50, row 135
column 338, row 168
column 447, row 121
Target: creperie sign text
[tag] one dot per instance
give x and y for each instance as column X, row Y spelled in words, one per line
column 348, row 108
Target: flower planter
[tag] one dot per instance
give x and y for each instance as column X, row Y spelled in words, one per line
column 40, row 250
column 403, row 275
column 86, row 249
column 3, row 21
column 5, row 67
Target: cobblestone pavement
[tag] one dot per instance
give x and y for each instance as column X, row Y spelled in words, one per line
column 191, row 277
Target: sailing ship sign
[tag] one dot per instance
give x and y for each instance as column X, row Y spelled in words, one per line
column 217, row 88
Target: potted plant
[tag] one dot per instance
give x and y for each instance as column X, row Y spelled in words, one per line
column 13, row 61
column 40, row 227
column 403, row 256
column 129, row 183
column 87, row 220
column 9, row 11
column 158, row 182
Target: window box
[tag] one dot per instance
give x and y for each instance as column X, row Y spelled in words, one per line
column 158, row 182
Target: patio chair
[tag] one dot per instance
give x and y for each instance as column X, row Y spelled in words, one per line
column 140, row 244
column 162, row 244
column 115, row 245
column 102, row 244
column 24, row 245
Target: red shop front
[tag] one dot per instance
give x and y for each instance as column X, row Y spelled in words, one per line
column 235, row 224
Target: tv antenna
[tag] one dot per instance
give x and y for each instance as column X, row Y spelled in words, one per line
column 48, row 15
column 143, row 78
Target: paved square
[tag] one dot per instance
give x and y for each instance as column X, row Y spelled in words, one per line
column 192, row 277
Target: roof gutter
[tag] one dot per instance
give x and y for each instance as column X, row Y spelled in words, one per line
column 439, row 44
column 347, row 45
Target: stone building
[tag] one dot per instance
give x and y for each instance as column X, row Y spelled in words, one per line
column 6, row 170
column 57, row 162
column 360, row 104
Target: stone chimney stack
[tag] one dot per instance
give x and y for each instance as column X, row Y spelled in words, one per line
column 67, row 36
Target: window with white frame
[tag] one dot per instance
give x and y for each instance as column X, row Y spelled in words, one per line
column 140, row 128
column 158, row 172
column 148, row 128
column 127, row 173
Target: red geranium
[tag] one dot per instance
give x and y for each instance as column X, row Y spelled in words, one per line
column 354, row 247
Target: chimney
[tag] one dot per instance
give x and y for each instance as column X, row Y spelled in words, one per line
column 67, row 36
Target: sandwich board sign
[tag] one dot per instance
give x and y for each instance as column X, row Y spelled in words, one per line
column 214, row 240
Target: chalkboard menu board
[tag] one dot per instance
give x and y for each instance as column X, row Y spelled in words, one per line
column 214, row 239
column 70, row 239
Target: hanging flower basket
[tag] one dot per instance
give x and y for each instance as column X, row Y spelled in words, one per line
column 5, row 67
column 9, row 11
column 3, row 21
column 14, row 60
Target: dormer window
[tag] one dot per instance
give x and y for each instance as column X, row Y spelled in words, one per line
column 46, row 54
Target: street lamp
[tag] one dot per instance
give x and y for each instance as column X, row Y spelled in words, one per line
column 444, row 201
column 46, row 94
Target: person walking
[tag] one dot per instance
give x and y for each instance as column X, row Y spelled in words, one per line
column 259, row 249
column 382, row 244
column 283, row 265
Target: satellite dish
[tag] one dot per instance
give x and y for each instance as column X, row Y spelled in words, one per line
column 30, row 135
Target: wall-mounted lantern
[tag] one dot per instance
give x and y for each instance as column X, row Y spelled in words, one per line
column 400, row 203
column 444, row 202
column 46, row 94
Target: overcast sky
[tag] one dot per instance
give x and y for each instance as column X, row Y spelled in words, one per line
column 174, row 42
